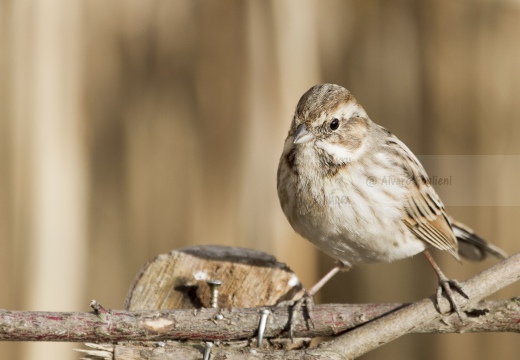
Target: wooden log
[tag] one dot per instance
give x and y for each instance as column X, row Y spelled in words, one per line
column 178, row 280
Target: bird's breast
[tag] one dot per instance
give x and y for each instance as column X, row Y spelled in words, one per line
column 352, row 216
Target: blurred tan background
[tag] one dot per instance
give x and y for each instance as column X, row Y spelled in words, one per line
column 131, row 128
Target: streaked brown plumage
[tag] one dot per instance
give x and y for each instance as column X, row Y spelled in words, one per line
column 359, row 194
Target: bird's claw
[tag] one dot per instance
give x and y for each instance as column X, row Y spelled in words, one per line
column 293, row 320
column 446, row 286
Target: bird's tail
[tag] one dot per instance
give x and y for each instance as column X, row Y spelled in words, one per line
column 473, row 247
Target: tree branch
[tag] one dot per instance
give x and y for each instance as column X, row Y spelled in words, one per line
column 379, row 332
column 365, row 327
column 234, row 324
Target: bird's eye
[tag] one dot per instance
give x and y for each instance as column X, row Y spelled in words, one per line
column 334, row 124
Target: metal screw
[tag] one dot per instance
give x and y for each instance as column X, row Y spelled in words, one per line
column 264, row 314
column 214, row 285
column 207, row 350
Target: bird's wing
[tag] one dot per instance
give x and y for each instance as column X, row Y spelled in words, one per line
column 425, row 213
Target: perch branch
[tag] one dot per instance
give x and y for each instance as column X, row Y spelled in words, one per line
column 381, row 331
column 232, row 324
column 371, row 325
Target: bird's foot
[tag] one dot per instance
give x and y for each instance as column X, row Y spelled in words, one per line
column 295, row 307
column 447, row 286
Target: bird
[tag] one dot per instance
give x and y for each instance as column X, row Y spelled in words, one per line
column 359, row 194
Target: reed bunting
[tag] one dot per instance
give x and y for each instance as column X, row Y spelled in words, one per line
column 357, row 192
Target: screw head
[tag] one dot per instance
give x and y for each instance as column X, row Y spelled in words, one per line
column 214, row 283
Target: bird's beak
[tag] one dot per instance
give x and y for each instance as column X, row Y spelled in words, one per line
column 302, row 135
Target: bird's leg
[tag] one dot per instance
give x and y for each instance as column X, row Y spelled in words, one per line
column 307, row 297
column 446, row 285
column 337, row 268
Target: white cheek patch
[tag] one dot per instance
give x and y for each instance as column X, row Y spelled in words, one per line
column 338, row 152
